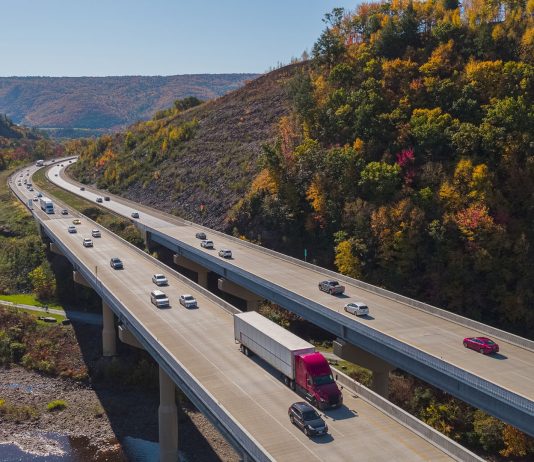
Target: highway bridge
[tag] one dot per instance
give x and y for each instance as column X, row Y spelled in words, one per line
column 400, row 332
column 195, row 350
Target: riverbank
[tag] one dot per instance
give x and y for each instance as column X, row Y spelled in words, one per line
column 133, row 413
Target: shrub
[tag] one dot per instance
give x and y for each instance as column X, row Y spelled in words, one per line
column 56, row 405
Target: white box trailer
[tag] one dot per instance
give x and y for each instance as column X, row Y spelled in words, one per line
column 274, row 344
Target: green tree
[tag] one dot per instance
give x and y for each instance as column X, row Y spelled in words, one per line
column 379, row 180
column 43, row 281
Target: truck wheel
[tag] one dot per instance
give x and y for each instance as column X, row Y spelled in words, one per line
column 286, row 381
column 292, row 419
column 247, row 352
column 306, row 432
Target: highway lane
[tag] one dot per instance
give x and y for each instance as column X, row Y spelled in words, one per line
column 512, row 369
column 202, row 341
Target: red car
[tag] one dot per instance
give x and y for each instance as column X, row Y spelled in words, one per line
column 483, row 345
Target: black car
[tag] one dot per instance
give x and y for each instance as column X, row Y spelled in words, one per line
column 116, row 263
column 106, row 198
column 99, row 200
column 200, row 236
column 82, row 189
column 307, row 419
column 64, row 212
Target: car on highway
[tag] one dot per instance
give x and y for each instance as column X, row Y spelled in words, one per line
column 64, row 212
column 357, row 308
column 483, row 345
column 82, row 189
column 225, row 253
column 207, row 244
column 116, row 263
column 201, row 236
column 95, row 233
column 72, row 229
column 30, row 189
column 87, row 242
column 160, row 280
column 99, row 200
column 106, row 198
column 55, row 174
column 19, row 184
column 188, row 301
column 135, row 214
column 332, row 287
column 158, row 298
column 305, row 417
column 35, row 199
column 39, row 194
column 76, row 221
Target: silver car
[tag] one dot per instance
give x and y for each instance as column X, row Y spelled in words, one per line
column 188, row 301
column 225, row 253
column 357, row 308
column 158, row 298
column 207, row 244
column 160, row 280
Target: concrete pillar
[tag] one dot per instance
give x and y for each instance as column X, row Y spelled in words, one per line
column 253, row 300
column 79, row 279
column 378, row 367
column 168, row 419
column 54, row 248
column 125, row 336
column 202, row 273
column 109, row 337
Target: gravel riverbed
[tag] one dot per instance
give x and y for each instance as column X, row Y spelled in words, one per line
column 97, row 418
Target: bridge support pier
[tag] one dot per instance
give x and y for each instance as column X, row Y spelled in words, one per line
column 202, row 273
column 168, row 419
column 125, row 336
column 109, row 337
column 79, row 279
column 253, row 300
column 379, row 367
column 55, row 249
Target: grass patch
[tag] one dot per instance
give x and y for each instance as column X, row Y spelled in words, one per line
column 56, row 405
column 35, row 314
column 28, row 299
column 17, row 413
column 14, row 216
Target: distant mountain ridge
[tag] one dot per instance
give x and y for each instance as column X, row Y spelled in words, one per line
column 100, row 104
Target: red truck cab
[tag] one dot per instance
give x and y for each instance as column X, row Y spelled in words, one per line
column 314, row 381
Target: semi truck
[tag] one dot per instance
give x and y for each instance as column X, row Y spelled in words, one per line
column 46, row 204
column 303, row 369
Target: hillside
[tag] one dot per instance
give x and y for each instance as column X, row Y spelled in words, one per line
column 184, row 158
column 98, row 104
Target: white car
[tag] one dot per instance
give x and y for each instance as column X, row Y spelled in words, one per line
column 160, row 280
column 225, row 253
column 188, row 301
column 207, row 244
column 158, row 298
column 357, row 308
column 72, row 229
column 87, row 242
column 95, row 233
column 135, row 214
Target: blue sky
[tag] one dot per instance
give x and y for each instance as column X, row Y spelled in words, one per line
column 156, row 37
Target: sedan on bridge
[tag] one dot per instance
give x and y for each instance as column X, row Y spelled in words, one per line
column 95, row 233
column 116, row 263
column 160, row 280
column 207, row 244
column 188, row 301
column 72, row 229
column 201, row 235
column 87, row 242
column 225, row 253
column 483, row 345
column 135, row 214
column 76, row 221
column 64, row 212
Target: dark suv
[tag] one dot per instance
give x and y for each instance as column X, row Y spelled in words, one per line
column 116, row 263
column 307, row 419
